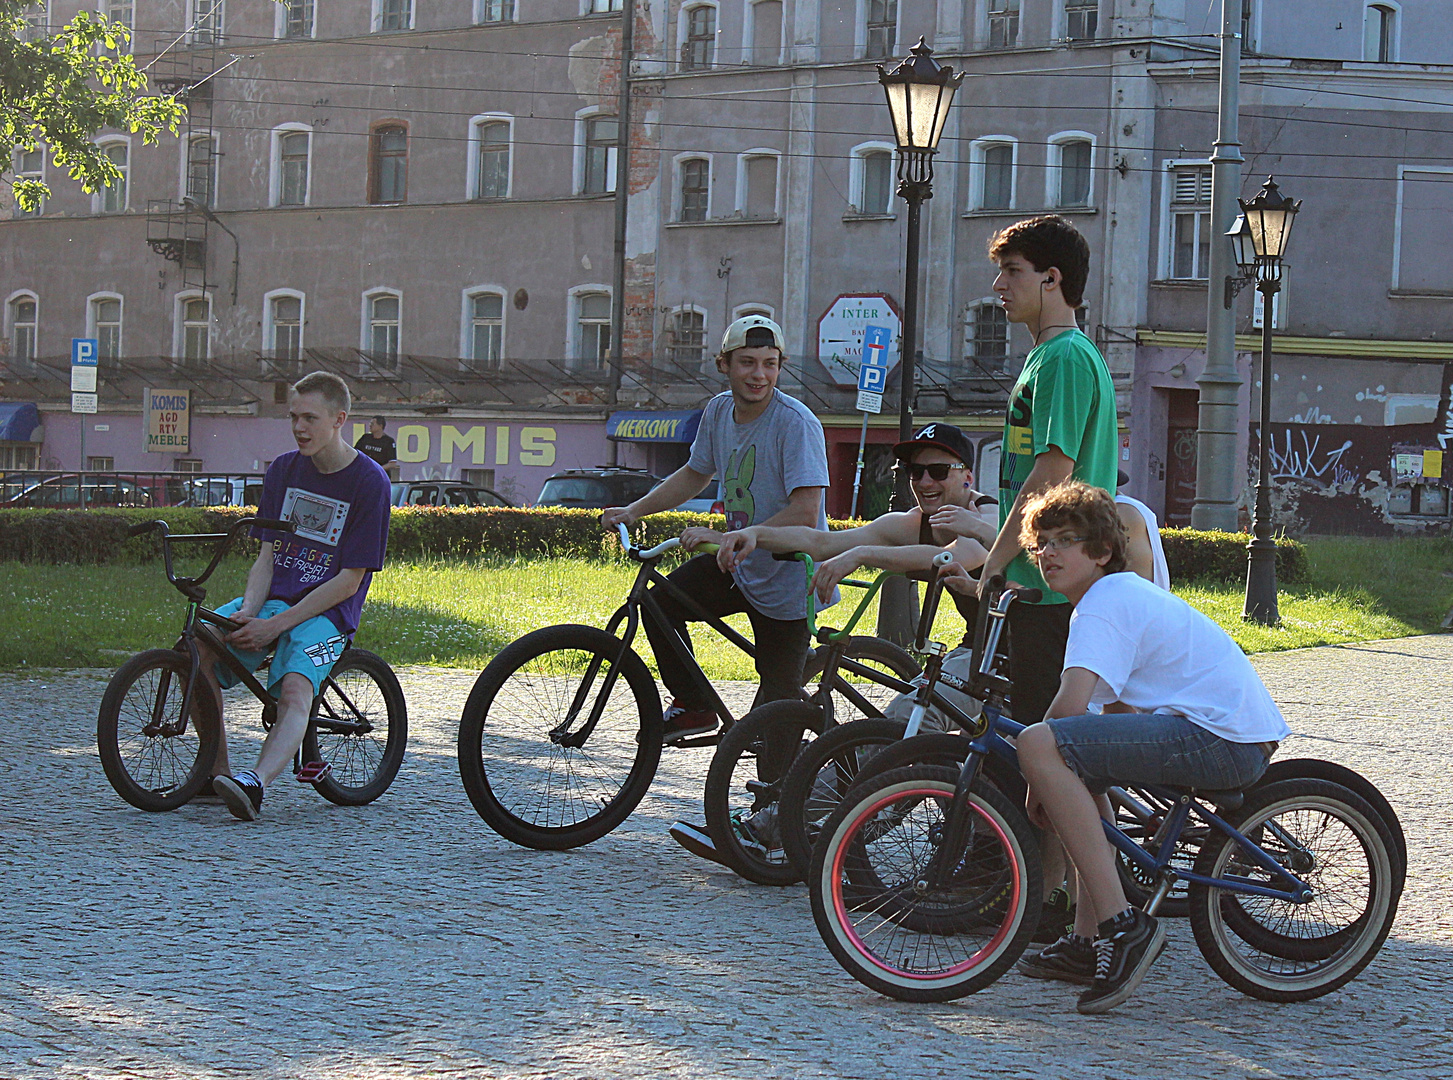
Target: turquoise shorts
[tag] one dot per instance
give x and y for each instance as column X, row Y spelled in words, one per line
column 311, row 648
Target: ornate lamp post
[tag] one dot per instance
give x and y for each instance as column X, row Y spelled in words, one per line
column 919, row 92
column 1264, row 229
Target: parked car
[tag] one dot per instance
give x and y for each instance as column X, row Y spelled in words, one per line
column 65, row 492
column 708, row 502
column 596, row 488
column 443, row 493
column 215, row 491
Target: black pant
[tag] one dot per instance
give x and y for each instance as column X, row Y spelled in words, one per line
column 781, row 644
column 1038, row 634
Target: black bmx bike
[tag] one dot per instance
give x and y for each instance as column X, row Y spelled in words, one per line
column 160, row 723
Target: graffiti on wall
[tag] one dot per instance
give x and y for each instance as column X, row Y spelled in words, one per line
column 1301, row 455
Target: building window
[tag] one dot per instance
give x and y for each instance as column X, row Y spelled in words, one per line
column 98, row 463
column 602, row 136
column 1070, row 171
column 1003, row 23
column 1248, row 26
column 872, row 186
column 486, row 331
column 383, row 329
column 1190, row 221
column 119, row 13
column 695, row 189
column 393, row 14
column 205, row 24
column 24, row 327
column 492, row 178
column 988, row 336
column 882, row 28
column 30, row 165
column 196, row 329
column 17, row 456
column 292, row 151
column 295, row 20
column 991, row 179
column 592, row 331
column 389, row 168
column 494, row 11
column 201, row 183
column 187, row 465
column 603, row 7
column 1380, row 25
column 1082, row 19
column 112, row 200
column 759, row 174
column 766, row 39
column 285, row 327
column 36, row 21
column 699, row 41
column 105, row 320
column 686, row 344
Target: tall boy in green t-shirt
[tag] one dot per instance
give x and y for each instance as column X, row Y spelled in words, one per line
column 1061, row 424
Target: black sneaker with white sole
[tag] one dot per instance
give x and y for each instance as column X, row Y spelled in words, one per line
column 242, row 794
column 695, row 839
column 1124, row 950
column 1070, row 959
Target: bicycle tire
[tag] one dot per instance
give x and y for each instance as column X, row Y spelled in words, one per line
column 778, row 723
column 506, row 749
column 871, row 652
column 923, row 947
column 363, row 693
column 157, row 770
column 948, row 750
column 1348, row 840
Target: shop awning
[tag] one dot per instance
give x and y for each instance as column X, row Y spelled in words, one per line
column 18, row 419
column 667, row 427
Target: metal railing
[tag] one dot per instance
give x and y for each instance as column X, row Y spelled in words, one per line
column 80, row 490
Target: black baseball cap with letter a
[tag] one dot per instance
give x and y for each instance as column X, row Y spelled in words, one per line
column 944, row 436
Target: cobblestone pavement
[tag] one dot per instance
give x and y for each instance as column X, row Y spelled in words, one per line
column 405, row 939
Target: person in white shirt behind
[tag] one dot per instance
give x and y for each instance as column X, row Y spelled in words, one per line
column 1183, row 708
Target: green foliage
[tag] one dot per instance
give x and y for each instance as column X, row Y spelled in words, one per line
column 99, row 536
column 59, row 91
column 1196, row 555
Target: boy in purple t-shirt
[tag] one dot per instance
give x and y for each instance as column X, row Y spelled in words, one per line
column 306, row 589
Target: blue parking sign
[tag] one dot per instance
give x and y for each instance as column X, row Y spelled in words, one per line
column 85, row 352
column 872, row 378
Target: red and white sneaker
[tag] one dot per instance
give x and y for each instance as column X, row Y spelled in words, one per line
column 681, row 723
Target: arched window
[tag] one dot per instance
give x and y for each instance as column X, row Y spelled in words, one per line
column 763, row 33
column 591, row 351
column 193, row 340
column 870, row 180
column 698, row 37
column 1380, row 31
column 199, row 179
column 382, row 327
column 113, row 199
column 388, row 171
column 282, row 325
column 22, row 315
column 686, row 337
column 695, row 189
column 292, row 153
column 1070, row 176
column 598, row 137
column 484, row 329
column 757, row 173
column 490, row 157
column 991, row 172
column 103, row 322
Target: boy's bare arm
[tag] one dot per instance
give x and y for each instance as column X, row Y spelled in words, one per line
column 890, row 529
column 1050, row 468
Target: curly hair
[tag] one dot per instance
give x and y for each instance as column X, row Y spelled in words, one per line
column 1087, row 510
column 1045, row 241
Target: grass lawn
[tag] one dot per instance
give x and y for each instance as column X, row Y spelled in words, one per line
column 460, row 614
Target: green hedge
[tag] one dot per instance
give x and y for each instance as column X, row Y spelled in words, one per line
column 99, row 536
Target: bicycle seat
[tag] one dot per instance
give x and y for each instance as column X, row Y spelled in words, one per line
column 1221, row 800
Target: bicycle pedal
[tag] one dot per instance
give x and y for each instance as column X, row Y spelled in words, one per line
column 314, row 771
column 703, row 740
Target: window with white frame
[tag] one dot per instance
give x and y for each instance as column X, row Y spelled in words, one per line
column 18, row 456
column 30, row 165
column 592, row 331
column 743, row 310
column 603, row 7
column 284, row 317
column 36, row 18
column 1070, row 172
column 758, row 180
column 194, row 328
column 491, row 141
column 23, row 315
column 292, row 152
column 991, row 173
column 870, row 187
column 393, row 15
column 698, row 37
column 295, row 19
column 695, row 189
column 119, row 13
column 765, row 40
column 201, row 170
column 1380, row 30
column 388, row 172
column 103, row 322
column 1189, row 223
column 494, row 11
column 485, row 330
column 986, row 344
column 381, row 331
column 686, row 337
column 1003, row 18
column 112, row 200
column 880, row 19
column 1082, row 19
column 100, row 463
column 204, row 22
column 601, row 139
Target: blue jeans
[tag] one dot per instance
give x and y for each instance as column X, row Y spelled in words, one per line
column 1134, row 749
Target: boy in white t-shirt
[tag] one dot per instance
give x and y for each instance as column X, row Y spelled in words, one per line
column 1183, row 708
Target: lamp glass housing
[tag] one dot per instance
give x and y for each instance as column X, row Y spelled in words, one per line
column 919, row 92
column 1242, row 247
column 1269, row 217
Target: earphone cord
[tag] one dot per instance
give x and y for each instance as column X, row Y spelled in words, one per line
column 1055, row 326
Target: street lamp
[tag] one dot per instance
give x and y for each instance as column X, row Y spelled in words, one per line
column 919, row 92
column 1268, row 221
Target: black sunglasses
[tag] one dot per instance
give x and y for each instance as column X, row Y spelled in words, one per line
column 939, row 470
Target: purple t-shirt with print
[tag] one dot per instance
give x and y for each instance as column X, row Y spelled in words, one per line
column 340, row 521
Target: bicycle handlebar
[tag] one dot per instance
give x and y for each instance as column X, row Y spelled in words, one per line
column 647, row 554
column 930, row 601
column 222, row 540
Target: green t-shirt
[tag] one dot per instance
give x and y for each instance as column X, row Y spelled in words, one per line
column 1063, row 398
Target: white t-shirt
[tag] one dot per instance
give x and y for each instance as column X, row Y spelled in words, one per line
column 1157, row 654
column 1160, row 569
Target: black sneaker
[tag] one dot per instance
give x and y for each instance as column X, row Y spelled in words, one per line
column 243, row 796
column 1055, row 918
column 1124, row 950
column 695, row 839
column 1070, row 959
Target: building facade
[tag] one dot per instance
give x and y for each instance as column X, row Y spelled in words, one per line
column 421, row 197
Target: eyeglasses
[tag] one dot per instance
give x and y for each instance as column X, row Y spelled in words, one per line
column 1055, row 543
column 939, row 470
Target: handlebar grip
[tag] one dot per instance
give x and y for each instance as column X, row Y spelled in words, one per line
column 784, row 556
column 143, row 527
column 1029, row 596
column 996, row 582
column 273, row 524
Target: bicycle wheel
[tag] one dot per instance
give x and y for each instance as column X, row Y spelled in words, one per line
column 1280, row 951
column 535, row 767
column 154, row 757
column 855, row 695
column 950, row 751
column 879, row 921
column 744, row 783
column 360, row 726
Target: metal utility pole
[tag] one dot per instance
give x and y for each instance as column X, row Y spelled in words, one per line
column 1218, row 471
column 622, row 203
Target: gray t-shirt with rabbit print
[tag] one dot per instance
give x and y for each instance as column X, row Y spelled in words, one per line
column 760, row 464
